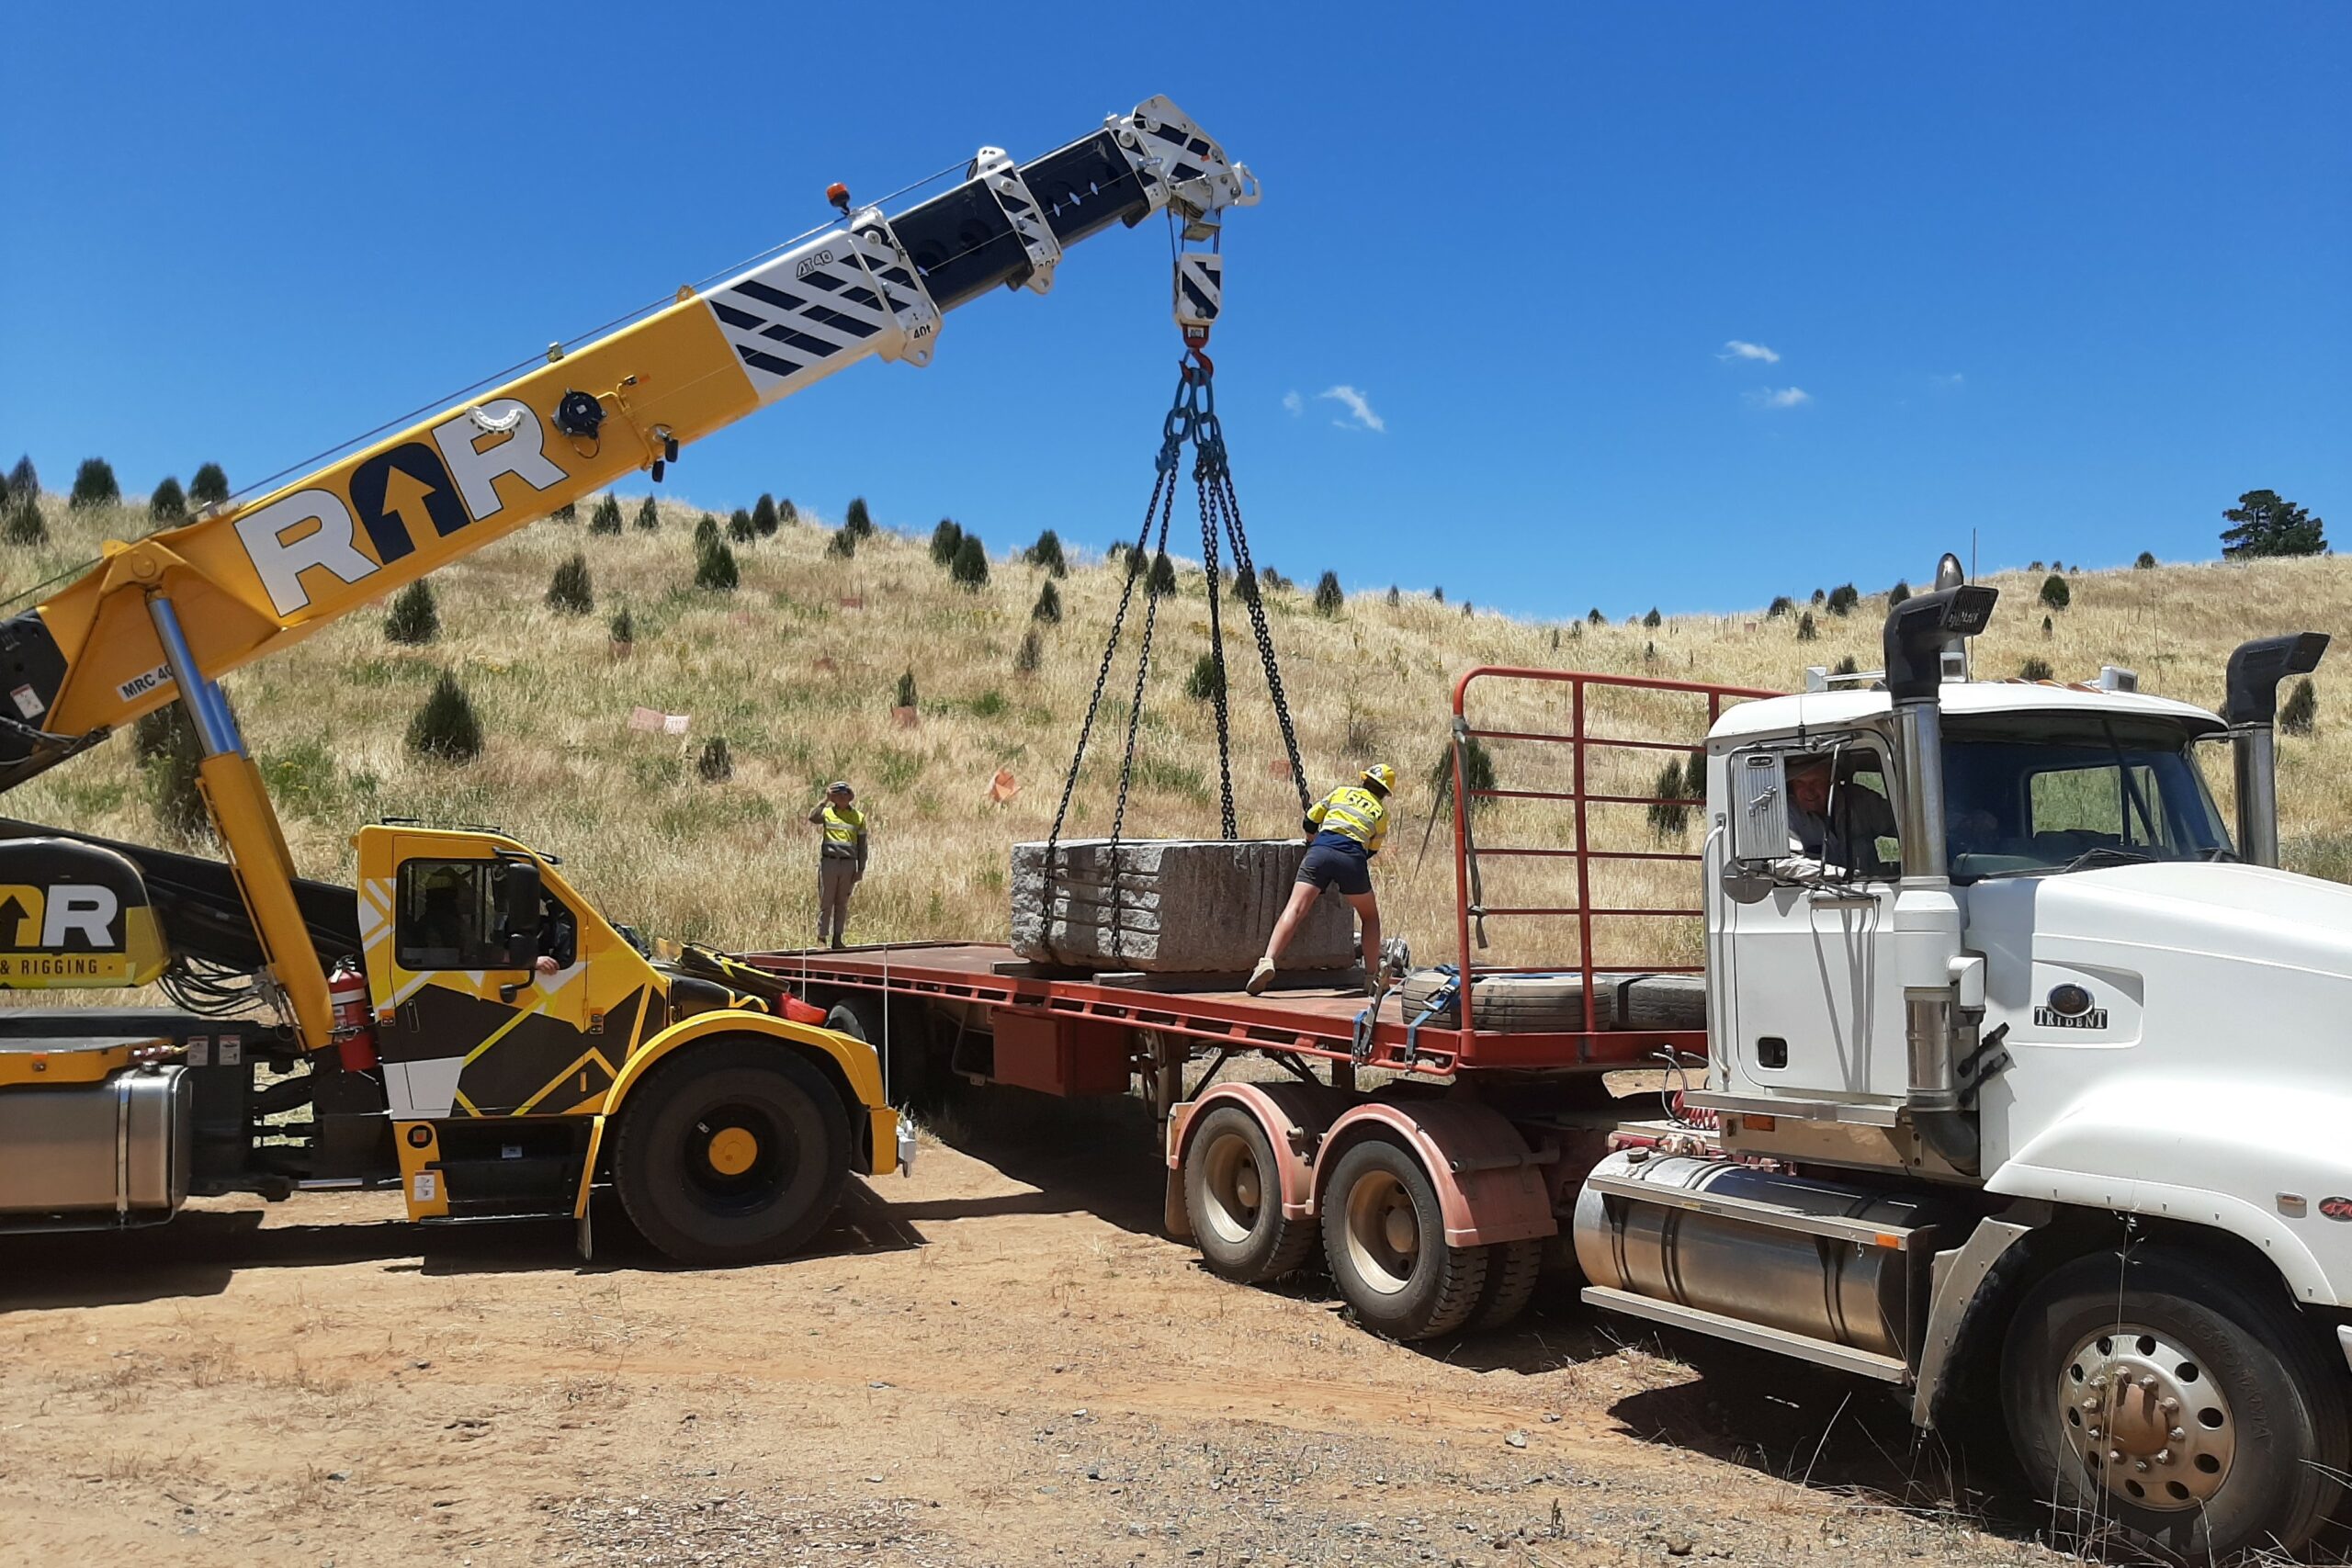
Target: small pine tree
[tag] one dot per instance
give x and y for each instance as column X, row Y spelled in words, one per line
column 568, row 512
column 1846, row 665
column 715, row 764
column 1206, row 680
column 1595, row 617
column 1819, row 598
column 1275, row 580
column 2035, row 567
column 2049, row 628
column 622, row 626
column 1437, row 596
column 445, row 728
column 844, row 544
column 25, row 525
column 785, row 512
column 648, row 516
column 93, row 485
column 1842, row 599
column 572, row 591
column 2057, row 565
column 1806, row 630
column 414, row 618
column 971, row 566
column 715, row 568
column 2054, row 592
column 1163, row 574
column 1652, row 620
column 1329, row 598
column 209, row 486
column 763, row 515
column 740, row 529
column 1048, row 607
column 857, row 521
column 945, row 539
column 23, row 479
column 1394, row 596
column 606, row 518
column 1048, row 552
column 706, row 533
column 1477, row 772
column 906, row 692
column 169, row 753
column 1781, row 605
column 1898, row 593
column 1032, row 652
column 2147, row 559
column 169, row 503
column 2300, row 711
column 2035, row 668
column 1668, row 814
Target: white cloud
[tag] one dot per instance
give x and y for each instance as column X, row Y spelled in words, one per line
column 1737, row 349
column 1359, row 413
column 1780, row 396
column 1293, row 402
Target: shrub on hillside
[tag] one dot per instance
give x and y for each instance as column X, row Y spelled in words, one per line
column 857, row 522
column 740, row 529
column 23, row 479
column 1269, row 578
column 572, row 591
column 1245, row 586
column 971, row 567
column 1819, row 598
column 25, row 525
column 1031, row 653
column 2035, row 668
column 209, row 486
column 1898, row 593
column 445, row 728
column 1437, row 594
column 1595, row 617
column 1806, row 630
column 2049, row 628
column 568, row 512
column 2147, row 559
column 1163, row 574
column 1668, row 812
column 648, row 516
column 1652, row 620
column 905, row 696
column 1048, row 552
column 1048, row 607
column 1477, row 772
column 606, row 518
column 168, row 752
column 2300, row 710
column 623, row 628
column 714, row 763
column 169, row 503
column 843, row 545
column 785, row 512
column 1782, row 605
column 715, row 568
column 93, row 485
column 946, row 537
column 1328, row 599
column 1207, row 680
column 414, row 618
column 1842, row 599
column 2054, row 592
column 762, row 516
column 1846, row 665
column 706, row 533
column 1395, row 596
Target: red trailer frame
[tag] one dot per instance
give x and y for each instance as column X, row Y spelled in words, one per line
column 1317, row 1024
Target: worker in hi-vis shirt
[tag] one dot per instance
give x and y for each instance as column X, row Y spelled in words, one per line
column 1349, row 825
column 840, row 858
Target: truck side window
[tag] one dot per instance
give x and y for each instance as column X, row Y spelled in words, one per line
column 1840, row 813
column 449, row 916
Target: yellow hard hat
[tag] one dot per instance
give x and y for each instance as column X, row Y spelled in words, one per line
column 1382, row 774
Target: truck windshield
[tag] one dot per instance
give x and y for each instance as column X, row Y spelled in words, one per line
column 2068, row 791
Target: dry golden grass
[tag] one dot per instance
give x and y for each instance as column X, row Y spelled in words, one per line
column 799, row 669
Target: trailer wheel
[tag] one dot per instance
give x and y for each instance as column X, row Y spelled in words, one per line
column 731, row 1151
column 907, row 1066
column 1384, row 1240
column 1233, row 1197
column 2154, row 1394
column 1512, row 1268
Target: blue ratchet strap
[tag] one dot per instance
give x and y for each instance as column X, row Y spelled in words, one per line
column 1439, row 999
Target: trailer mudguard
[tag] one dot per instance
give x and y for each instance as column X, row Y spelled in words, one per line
column 855, row 1059
column 1489, row 1184
column 1295, row 1116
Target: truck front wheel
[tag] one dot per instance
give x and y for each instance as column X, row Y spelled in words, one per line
column 2155, row 1392
column 731, row 1151
column 1384, row 1240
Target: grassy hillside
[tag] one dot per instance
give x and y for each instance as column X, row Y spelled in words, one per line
column 798, row 670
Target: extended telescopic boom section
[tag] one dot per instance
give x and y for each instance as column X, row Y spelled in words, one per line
column 165, row 616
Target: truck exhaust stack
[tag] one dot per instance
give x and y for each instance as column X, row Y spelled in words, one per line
column 2250, row 709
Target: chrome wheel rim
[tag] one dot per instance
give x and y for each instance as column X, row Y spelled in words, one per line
column 2145, row 1418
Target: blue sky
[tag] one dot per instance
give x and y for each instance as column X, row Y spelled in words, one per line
column 2073, row 276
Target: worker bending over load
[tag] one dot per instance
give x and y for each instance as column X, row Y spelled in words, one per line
column 841, row 859
column 1349, row 825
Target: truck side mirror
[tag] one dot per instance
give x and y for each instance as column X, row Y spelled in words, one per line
column 1759, row 809
column 519, row 891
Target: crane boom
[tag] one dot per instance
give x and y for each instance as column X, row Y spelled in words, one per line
column 161, row 618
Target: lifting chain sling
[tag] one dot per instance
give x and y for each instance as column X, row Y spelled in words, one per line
column 1191, row 419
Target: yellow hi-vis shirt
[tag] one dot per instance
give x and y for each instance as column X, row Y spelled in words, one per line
column 844, row 828
column 1352, row 812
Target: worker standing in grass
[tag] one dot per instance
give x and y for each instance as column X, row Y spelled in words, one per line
column 1349, row 825
column 841, row 859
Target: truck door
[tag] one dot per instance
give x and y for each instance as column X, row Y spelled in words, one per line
column 476, row 1029
column 1817, row 1007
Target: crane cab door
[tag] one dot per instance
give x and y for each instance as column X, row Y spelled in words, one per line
column 466, row 1023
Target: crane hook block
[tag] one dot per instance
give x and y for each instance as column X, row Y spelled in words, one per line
column 579, row 414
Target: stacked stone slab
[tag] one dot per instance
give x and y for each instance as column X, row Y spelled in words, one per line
column 1169, row 906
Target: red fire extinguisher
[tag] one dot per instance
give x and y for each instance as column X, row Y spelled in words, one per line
column 354, row 1022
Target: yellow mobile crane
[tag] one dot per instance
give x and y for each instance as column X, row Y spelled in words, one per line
column 488, row 1040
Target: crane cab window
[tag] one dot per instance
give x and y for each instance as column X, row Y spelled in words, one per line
column 450, row 918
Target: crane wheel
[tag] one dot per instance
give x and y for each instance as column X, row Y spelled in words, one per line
column 731, row 1152
column 1383, row 1238
column 1233, row 1197
column 2161, row 1396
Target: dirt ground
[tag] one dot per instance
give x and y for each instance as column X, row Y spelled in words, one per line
column 997, row 1362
